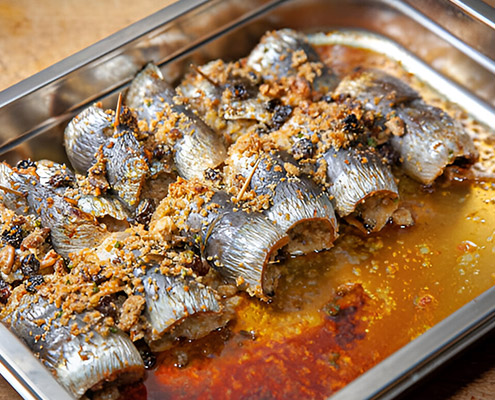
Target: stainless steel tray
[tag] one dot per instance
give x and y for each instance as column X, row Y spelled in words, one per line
column 34, row 112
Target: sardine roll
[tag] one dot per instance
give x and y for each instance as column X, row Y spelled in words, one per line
column 426, row 138
column 241, row 246
column 432, row 141
column 282, row 53
column 178, row 306
column 126, row 166
column 71, row 229
column 80, row 359
column 362, row 186
column 295, row 202
column 85, row 134
column 196, row 146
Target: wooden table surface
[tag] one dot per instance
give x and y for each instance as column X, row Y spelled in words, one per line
column 35, row 34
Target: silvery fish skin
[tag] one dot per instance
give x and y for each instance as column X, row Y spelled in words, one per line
column 79, row 362
column 9, row 181
column 85, row 134
column 199, row 147
column 100, row 206
column 362, row 185
column 430, row 139
column 178, row 306
column 244, row 102
column 55, row 175
column 431, row 132
column 273, row 58
column 297, row 204
column 58, row 177
column 239, row 245
column 71, row 229
column 126, row 165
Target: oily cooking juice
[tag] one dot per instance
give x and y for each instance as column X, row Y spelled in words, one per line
column 338, row 313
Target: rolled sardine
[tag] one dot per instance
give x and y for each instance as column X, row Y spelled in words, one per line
column 286, row 53
column 177, row 305
column 196, row 146
column 426, row 138
column 80, row 359
column 296, row 203
column 241, row 246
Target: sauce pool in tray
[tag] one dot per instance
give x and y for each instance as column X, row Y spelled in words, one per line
column 302, row 233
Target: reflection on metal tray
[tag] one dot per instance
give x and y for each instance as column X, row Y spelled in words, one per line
column 34, row 113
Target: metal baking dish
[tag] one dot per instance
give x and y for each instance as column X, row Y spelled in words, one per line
column 425, row 35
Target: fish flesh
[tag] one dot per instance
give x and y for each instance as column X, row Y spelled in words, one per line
column 286, row 52
column 426, row 138
column 241, row 246
column 297, row 204
column 196, row 146
column 177, row 305
column 362, row 185
column 80, row 362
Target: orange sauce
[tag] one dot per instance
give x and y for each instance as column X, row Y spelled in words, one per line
column 337, row 313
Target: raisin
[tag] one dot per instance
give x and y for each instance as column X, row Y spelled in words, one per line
column 61, row 179
column 5, row 291
column 149, row 359
column 99, row 278
column 13, row 236
column 272, row 104
column 280, row 115
column 33, row 282
column 198, row 266
column 144, row 212
column 327, row 98
column 239, row 91
column 107, row 307
column 303, row 148
column 24, row 164
column 30, row 265
column 351, row 124
column 213, row 175
column 160, row 151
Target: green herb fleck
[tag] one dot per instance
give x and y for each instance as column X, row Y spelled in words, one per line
column 333, row 358
column 372, row 142
column 95, row 288
column 117, row 245
column 113, row 329
column 331, row 309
